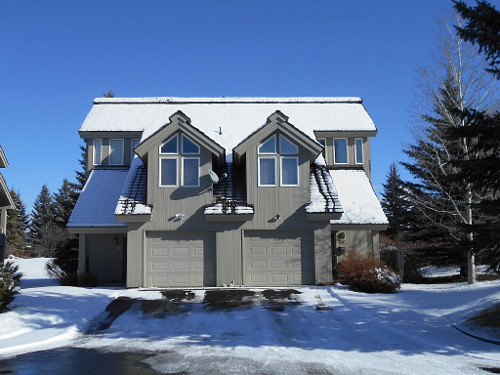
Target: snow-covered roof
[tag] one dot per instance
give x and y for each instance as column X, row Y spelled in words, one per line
column 357, row 197
column 227, row 120
column 132, row 199
column 324, row 197
column 96, row 205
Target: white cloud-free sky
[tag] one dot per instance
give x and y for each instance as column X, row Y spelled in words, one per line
column 59, row 55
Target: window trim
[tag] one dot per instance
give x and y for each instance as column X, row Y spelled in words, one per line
column 346, row 150
column 289, row 141
column 168, row 140
column 182, row 146
column 356, row 151
column 109, row 151
column 281, row 170
column 268, row 153
column 94, row 154
column 258, row 171
column 182, row 171
column 176, row 171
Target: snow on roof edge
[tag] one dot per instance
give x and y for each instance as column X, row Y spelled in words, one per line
column 173, row 100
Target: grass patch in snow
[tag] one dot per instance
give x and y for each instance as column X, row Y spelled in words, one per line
column 487, row 318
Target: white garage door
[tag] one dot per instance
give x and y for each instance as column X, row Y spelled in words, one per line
column 278, row 258
column 180, row 259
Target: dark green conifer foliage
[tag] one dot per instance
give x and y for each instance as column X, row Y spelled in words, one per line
column 395, row 204
column 42, row 214
column 17, row 224
column 64, row 201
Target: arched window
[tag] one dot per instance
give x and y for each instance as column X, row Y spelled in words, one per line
column 177, row 166
column 278, row 152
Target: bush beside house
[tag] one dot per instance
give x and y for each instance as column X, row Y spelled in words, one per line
column 9, row 284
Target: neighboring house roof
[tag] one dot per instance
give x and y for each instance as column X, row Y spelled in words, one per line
column 96, row 205
column 227, row 120
column 133, row 196
column 324, row 197
column 357, row 197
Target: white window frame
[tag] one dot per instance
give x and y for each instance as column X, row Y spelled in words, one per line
column 109, row 152
column 132, row 153
column 356, row 151
column 94, row 153
column 281, row 136
column 275, row 146
column 258, row 170
column 182, row 171
column 182, row 146
column 168, row 140
column 176, row 171
column 281, row 170
column 346, row 150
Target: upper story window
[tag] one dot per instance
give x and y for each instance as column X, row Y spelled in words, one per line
column 115, row 152
column 358, row 145
column 176, row 166
column 340, row 151
column 97, row 152
column 278, row 152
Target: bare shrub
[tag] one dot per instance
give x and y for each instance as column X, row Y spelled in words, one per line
column 367, row 274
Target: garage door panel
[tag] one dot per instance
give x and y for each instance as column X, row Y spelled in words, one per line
column 180, row 259
column 277, row 258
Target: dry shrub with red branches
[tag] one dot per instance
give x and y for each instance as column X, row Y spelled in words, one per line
column 367, row 274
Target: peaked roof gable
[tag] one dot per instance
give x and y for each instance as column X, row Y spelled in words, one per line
column 278, row 121
column 178, row 122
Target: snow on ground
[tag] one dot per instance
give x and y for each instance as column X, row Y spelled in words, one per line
column 444, row 271
column 405, row 333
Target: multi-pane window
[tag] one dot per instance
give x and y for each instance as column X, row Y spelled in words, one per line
column 97, row 151
column 278, row 152
column 115, row 152
column 340, row 151
column 358, row 143
column 171, row 159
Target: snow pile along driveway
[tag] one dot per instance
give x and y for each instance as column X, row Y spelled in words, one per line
column 400, row 333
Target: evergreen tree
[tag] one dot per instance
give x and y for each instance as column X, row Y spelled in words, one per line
column 17, row 224
column 395, row 204
column 64, row 201
column 41, row 215
column 483, row 28
column 445, row 203
column 77, row 186
column 482, row 167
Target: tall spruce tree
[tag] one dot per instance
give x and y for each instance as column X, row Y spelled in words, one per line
column 482, row 168
column 64, row 201
column 456, row 83
column 41, row 215
column 17, row 224
column 395, row 204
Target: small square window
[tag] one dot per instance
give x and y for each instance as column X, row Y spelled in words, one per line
column 168, row 172
column 115, row 151
column 97, row 151
column 267, row 171
column 340, row 151
column 269, row 146
column 170, row 146
column 289, row 171
column 191, row 172
column 359, row 150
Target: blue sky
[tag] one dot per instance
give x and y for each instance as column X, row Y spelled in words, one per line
column 56, row 56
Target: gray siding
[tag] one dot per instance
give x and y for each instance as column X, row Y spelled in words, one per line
column 105, row 259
